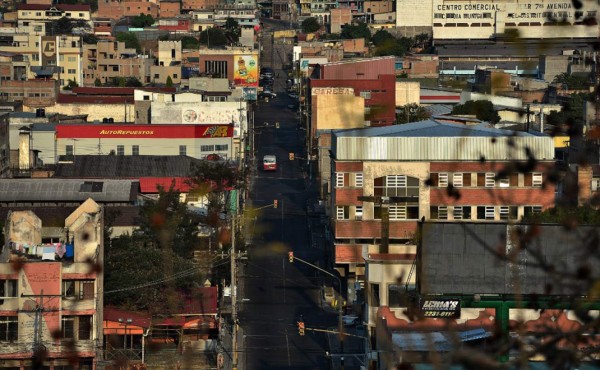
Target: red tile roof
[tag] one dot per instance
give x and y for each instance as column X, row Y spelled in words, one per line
column 65, row 7
column 150, row 184
column 91, row 99
column 79, row 90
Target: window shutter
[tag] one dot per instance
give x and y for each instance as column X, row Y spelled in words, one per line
column 481, row 179
column 528, row 179
column 466, row 179
column 514, row 180
column 434, row 179
column 88, row 290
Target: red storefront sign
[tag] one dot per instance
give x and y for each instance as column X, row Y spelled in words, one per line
column 143, row 131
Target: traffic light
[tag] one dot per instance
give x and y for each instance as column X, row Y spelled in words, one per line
column 301, row 328
column 291, row 256
column 276, row 124
column 275, row 203
column 292, row 156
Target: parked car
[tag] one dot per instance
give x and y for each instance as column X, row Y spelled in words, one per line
column 293, row 96
column 350, row 320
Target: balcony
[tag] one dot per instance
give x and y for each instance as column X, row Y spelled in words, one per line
column 43, row 252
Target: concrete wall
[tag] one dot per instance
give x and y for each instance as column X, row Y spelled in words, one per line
column 119, row 112
column 408, row 92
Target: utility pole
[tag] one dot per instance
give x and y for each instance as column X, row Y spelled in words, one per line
column 384, row 202
column 234, row 288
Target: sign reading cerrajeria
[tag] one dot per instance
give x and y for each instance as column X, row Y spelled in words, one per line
column 448, row 308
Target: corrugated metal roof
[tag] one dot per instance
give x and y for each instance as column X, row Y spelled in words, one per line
column 433, row 140
column 126, row 166
column 64, row 190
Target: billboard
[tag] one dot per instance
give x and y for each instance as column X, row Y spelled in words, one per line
column 250, row 93
column 245, row 70
column 491, row 258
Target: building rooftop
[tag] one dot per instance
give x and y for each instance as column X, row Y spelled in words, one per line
column 434, row 127
column 64, row 7
column 119, row 166
column 65, row 190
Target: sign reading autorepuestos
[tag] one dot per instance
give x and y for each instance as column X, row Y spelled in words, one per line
column 441, row 308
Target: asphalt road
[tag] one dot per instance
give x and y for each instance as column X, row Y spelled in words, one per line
column 275, row 293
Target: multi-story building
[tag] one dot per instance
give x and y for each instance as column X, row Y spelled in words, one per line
column 238, row 64
column 491, row 18
column 52, row 305
column 116, row 9
column 62, row 51
column 194, row 140
column 169, row 8
column 385, row 179
column 33, row 18
column 192, row 5
column 373, row 79
column 169, row 63
column 108, row 59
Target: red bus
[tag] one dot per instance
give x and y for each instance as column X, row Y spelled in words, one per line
column 269, row 163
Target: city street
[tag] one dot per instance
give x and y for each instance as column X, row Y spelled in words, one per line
column 274, row 293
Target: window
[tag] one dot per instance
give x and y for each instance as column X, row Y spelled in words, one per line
column 342, row 212
column 146, row 97
column 486, row 213
column 374, row 295
column 69, row 150
column 398, row 186
column 339, row 179
column 536, row 179
column 135, row 150
column 530, row 210
column 9, row 328
column 396, row 296
column 457, row 180
column 77, row 327
column 61, row 58
column 78, row 289
column 358, row 179
column 438, row 213
column 72, row 71
column 207, row 148
column 120, row 149
column 504, row 182
column 72, row 59
column 68, row 327
column 508, row 212
column 358, row 213
column 461, row 212
column 442, row 180
column 221, row 147
column 490, row 180
column 366, row 94
column 8, row 288
column 182, row 150
column 35, row 57
column 596, row 184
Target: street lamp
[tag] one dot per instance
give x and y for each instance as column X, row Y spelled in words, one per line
column 127, row 322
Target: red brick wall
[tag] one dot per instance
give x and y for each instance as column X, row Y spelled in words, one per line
column 372, row 229
column 169, row 9
column 495, row 196
column 117, row 9
column 199, row 4
column 348, row 166
column 348, row 253
column 348, row 196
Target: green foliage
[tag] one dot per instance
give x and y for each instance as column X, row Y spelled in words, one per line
column 122, row 82
column 356, row 31
column 130, row 40
column 571, row 113
column 310, row 25
column 482, row 109
column 167, row 222
column 393, row 46
column 572, row 82
column 585, row 215
column 213, row 37
column 142, row 20
column 70, row 85
column 380, row 36
column 67, row 26
column 189, row 42
column 232, row 25
column 97, row 82
column 412, row 113
column 136, row 260
column 169, row 81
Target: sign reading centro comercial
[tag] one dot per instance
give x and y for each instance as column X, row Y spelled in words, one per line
column 143, row 131
column 441, row 308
